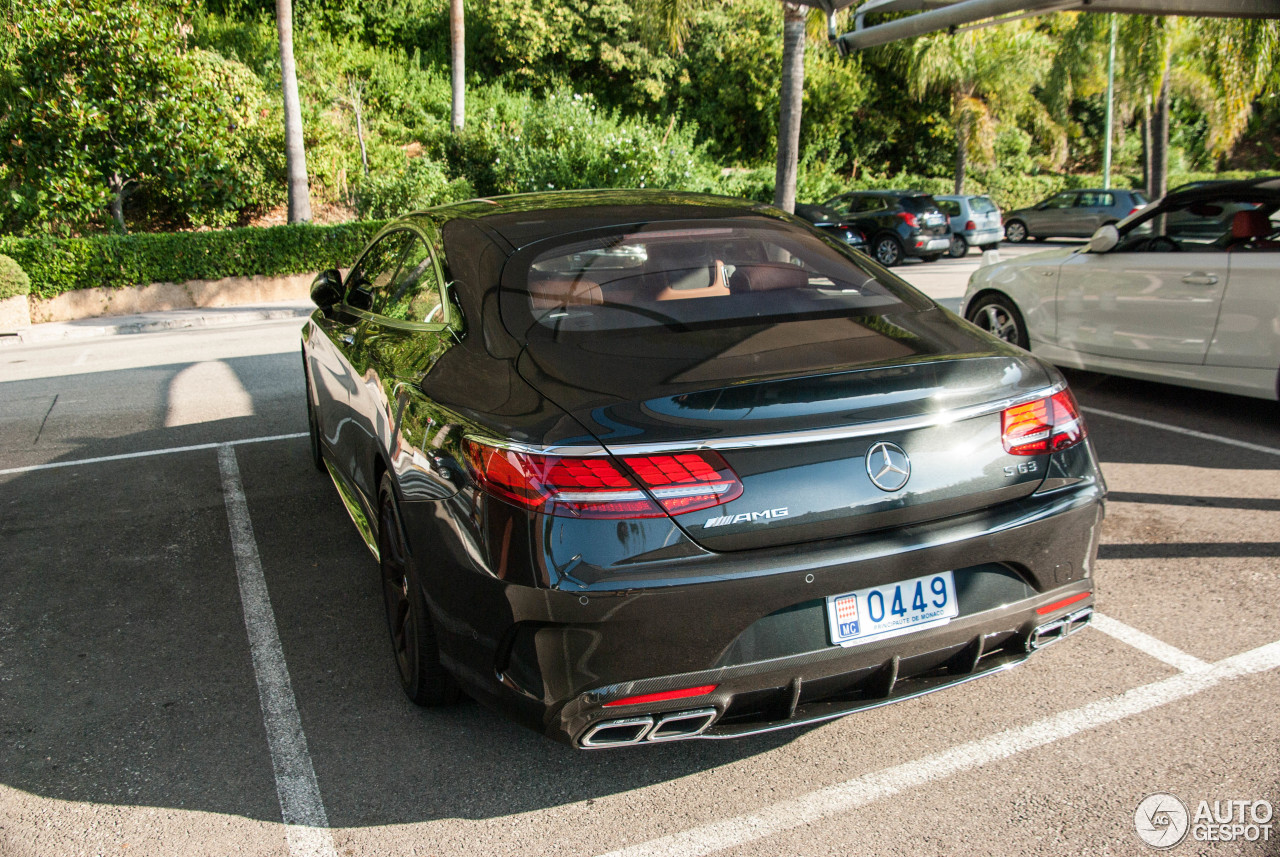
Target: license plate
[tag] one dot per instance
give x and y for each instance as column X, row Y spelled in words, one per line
column 878, row 612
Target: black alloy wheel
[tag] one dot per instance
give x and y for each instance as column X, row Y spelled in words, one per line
column 959, row 246
column 1015, row 231
column 413, row 639
column 997, row 315
column 888, row 251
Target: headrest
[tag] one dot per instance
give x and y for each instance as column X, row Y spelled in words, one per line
column 1253, row 223
column 555, row 292
column 767, row 276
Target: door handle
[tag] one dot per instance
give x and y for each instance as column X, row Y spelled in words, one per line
column 1200, row 279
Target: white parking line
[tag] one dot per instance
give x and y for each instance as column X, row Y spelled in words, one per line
column 846, row 796
column 306, row 825
column 1256, row 447
column 53, row 465
column 1147, row 644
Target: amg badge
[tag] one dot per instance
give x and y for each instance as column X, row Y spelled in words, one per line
column 765, row 516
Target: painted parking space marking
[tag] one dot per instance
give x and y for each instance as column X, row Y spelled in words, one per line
column 301, row 807
column 852, row 794
column 53, row 465
column 1147, row 644
column 1255, row 447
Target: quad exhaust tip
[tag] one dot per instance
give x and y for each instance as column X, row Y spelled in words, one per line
column 673, row 726
column 1052, row 632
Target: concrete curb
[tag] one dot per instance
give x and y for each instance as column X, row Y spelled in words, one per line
column 154, row 322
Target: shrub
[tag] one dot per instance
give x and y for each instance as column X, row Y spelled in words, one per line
column 13, row 280
column 116, row 261
column 421, row 184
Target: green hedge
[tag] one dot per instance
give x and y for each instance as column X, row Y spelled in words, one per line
column 57, row 265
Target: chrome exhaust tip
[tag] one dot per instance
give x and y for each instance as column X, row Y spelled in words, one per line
column 682, row 724
column 617, row 733
column 1052, row 632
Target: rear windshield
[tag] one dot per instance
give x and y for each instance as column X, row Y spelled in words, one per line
column 688, row 275
column 1139, row 198
column 917, row 204
column 982, row 205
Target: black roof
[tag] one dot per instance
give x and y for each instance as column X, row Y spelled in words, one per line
column 522, row 219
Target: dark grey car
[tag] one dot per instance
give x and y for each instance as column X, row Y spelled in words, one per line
column 1071, row 214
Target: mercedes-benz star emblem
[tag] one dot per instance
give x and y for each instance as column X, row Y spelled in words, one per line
column 888, row 466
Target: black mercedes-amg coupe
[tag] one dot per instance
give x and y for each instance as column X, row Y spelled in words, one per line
column 646, row 466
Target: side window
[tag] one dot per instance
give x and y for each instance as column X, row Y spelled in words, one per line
column 1096, row 199
column 843, row 204
column 1062, row 200
column 414, row 295
column 949, row 207
column 871, row 203
column 376, row 270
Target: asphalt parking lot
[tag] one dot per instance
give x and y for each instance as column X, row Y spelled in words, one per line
column 193, row 656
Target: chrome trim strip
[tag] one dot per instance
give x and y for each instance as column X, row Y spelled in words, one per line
column 761, row 441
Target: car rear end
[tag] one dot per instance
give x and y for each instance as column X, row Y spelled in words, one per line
column 928, row 230
column 780, row 497
column 983, row 226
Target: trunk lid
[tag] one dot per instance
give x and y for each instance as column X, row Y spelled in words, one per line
column 801, row 411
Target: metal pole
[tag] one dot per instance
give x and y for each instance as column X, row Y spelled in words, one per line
column 1111, row 89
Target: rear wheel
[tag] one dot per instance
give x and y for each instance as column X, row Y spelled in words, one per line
column 992, row 246
column 887, row 251
column 313, row 423
column 959, row 246
column 413, row 637
column 997, row 315
column 1015, row 231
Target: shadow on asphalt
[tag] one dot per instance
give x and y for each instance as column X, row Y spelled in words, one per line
column 125, row 674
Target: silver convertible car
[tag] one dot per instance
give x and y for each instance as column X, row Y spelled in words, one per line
column 1186, row 291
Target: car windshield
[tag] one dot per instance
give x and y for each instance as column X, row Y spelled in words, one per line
column 687, row 275
column 981, row 205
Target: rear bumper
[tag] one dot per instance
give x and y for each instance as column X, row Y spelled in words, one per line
column 752, row 623
column 927, row 245
column 983, row 236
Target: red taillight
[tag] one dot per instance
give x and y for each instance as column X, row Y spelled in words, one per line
column 599, row 487
column 684, row 693
column 1045, row 425
column 969, row 225
column 1132, row 210
column 909, row 219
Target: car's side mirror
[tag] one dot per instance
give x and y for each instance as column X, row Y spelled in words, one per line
column 326, row 288
column 1104, row 239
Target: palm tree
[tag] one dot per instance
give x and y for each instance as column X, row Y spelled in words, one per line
column 667, row 21
column 988, row 75
column 457, row 43
column 790, row 104
column 294, row 153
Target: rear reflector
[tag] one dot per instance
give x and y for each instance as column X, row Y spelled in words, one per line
column 600, row 486
column 1045, row 425
column 646, row 698
column 1058, row 605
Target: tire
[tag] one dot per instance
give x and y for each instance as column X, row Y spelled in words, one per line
column 999, row 316
column 413, row 638
column 887, row 250
column 1015, row 232
column 313, row 422
column 932, row 257
column 985, row 247
column 959, row 247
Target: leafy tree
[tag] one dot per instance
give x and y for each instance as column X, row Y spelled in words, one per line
column 103, row 98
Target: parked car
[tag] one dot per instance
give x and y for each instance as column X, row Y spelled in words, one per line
column 646, row 466
column 1182, row 292
column 833, row 224
column 974, row 220
column 1071, row 214
column 897, row 223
